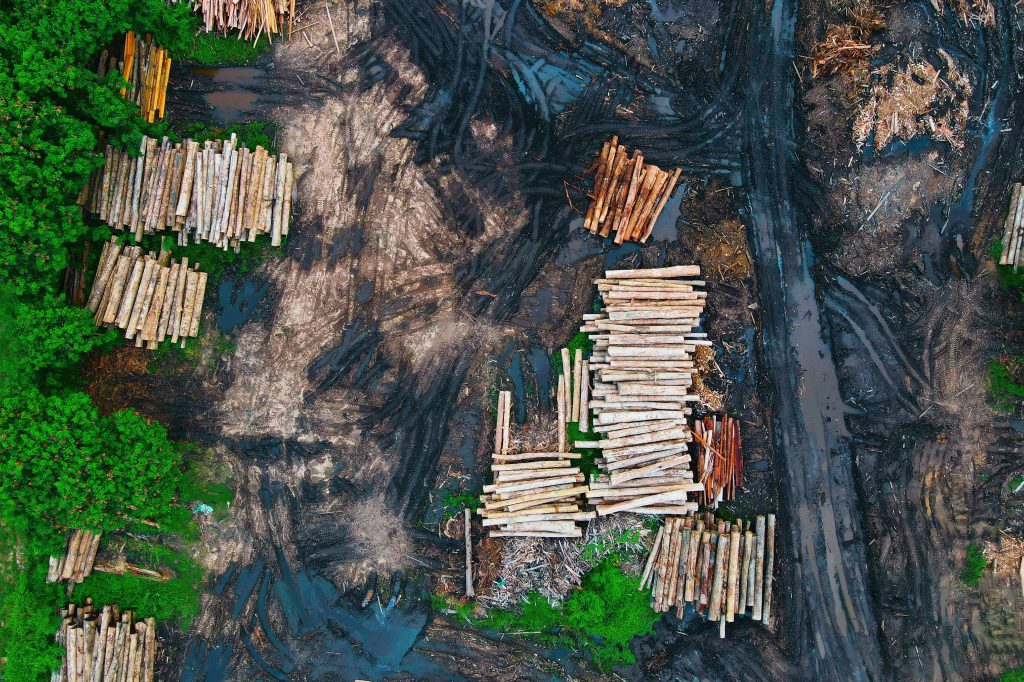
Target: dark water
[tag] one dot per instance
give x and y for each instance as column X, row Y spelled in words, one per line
column 238, row 302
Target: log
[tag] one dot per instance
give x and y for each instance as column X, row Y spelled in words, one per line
column 577, row 374
column 673, row 566
column 661, row 205
column 692, row 568
column 467, row 528
column 561, row 408
column 501, row 489
column 732, row 579
column 655, row 273
column 717, row 581
column 650, row 558
column 499, row 417
column 745, row 562
column 532, row 456
column 766, row 600
column 602, row 171
column 757, row 611
column 198, row 307
column 677, row 494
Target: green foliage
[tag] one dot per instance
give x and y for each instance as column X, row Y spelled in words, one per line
column 51, row 105
column 29, row 620
column 461, row 610
column 454, row 502
column 214, row 261
column 174, row 600
column 251, row 133
column 211, row 49
column 1015, row 675
column 580, row 341
column 63, row 466
column 601, row 618
column 976, row 565
column 1002, row 382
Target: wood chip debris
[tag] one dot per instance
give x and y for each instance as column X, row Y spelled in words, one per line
column 108, row 645
column 722, row 569
column 628, row 194
column 252, row 18
column 218, row 192
column 148, row 295
column 719, row 458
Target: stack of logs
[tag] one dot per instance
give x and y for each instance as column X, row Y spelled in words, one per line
column 720, row 568
column 252, row 18
column 105, row 646
column 217, row 193
column 573, row 395
column 1013, row 229
column 644, row 339
column 719, row 458
column 534, row 494
column 628, row 195
column 149, row 296
column 147, row 68
column 78, row 559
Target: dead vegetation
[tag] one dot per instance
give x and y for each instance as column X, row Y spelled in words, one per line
column 1004, row 557
column 845, row 48
column 917, row 99
column 970, row 11
column 579, row 13
column 722, row 250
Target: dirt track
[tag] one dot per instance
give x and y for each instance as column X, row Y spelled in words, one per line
column 434, row 140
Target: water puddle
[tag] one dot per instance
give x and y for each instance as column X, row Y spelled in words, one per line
column 238, row 301
column 231, row 106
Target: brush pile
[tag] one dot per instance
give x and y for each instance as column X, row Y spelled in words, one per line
column 719, row 458
column 644, row 338
column 720, row 568
column 846, row 47
column 252, row 18
column 105, row 646
column 534, row 494
column 147, row 68
column 76, row 564
column 628, row 195
column 149, row 296
column 1013, row 229
column 220, row 193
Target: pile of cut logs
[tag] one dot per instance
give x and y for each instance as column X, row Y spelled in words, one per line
column 628, row 195
column 215, row 192
column 720, row 568
column 150, row 296
column 252, row 18
column 644, row 339
column 75, row 565
column 573, row 395
column 534, row 494
column 147, row 68
column 1013, row 229
column 719, row 458
column 105, row 646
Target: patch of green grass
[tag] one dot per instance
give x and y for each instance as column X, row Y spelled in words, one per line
column 1010, row 279
column 174, row 600
column 213, row 260
column 454, row 502
column 975, row 567
column 212, row 49
column 601, row 618
column 1015, row 483
column 1015, row 675
column 1003, row 385
column 460, row 609
column 580, row 341
column 251, row 133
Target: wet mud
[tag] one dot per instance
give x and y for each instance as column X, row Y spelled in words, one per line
column 436, row 253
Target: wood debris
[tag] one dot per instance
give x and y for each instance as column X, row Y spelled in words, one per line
column 719, row 458
column 846, row 47
column 76, row 564
column 147, row 68
column 722, row 569
column 218, row 192
column 534, row 494
column 108, row 645
column 645, row 336
column 148, row 295
column 628, row 194
column 1013, row 229
column 252, row 18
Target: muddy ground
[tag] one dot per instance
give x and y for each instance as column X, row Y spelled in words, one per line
column 436, row 254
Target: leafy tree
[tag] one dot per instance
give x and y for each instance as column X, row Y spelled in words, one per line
column 29, row 621
column 63, row 466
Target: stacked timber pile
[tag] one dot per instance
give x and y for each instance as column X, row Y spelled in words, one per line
column 1013, row 229
column 719, row 568
column 719, row 458
column 76, row 564
column 105, row 646
column 629, row 194
column 149, row 296
column 218, row 192
column 252, row 18
column 534, row 494
column 644, row 339
column 147, row 68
